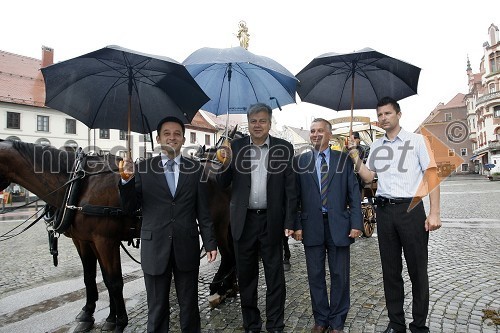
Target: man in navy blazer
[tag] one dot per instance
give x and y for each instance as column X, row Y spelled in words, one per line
column 327, row 224
column 171, row 218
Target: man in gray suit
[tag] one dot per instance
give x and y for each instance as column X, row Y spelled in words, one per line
column 330, row 219
column 262, row 209
column 168, row 190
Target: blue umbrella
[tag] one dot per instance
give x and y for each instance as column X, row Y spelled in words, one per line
column 235, row 78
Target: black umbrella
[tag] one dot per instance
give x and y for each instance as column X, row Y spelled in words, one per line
column 100, row 87
column 356, row 80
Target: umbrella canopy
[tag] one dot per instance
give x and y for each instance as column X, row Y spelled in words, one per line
column 99, row 88
column 235, row 78
column 356, row 80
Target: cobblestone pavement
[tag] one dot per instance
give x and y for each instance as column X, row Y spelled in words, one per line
column 464, row 274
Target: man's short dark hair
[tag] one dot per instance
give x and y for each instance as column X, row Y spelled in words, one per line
column 356, row 135
column 170, row 119
column 389, row 100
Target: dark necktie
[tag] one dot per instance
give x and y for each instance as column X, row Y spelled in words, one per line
column 324, row 180
column 171, row 176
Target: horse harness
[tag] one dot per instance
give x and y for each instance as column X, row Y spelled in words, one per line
column 59, row 219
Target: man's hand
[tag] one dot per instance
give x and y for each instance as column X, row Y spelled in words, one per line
column 297, row 235
column 211, row 255
column 433, row 222
column 355, row 233
column 224, row 154
column 351, row 143
column 288, row 232
column 126, row 168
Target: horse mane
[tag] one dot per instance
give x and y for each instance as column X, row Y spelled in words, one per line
column 45, row 156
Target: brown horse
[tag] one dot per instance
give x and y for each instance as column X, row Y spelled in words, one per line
column 45, row 172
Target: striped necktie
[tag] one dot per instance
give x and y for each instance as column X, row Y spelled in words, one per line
column 324, row 180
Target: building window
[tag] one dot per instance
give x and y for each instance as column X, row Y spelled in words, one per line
column 123, row 135
column 465, row 167
column 192, row 137
column 42, row 123
column 207, row 139
column 103, row 133
column 492, row 88
column 495, row 61
column 496, row 111
column 463, row 151
column 13, row 120
column 447, row 117
column 451, row 152
column 70, row 126
column 43, row 142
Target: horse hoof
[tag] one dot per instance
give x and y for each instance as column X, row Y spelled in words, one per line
column 108, row 326
column 215, row 300
column 84, row 326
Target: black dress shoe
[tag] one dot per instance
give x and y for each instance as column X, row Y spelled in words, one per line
column 391, row 330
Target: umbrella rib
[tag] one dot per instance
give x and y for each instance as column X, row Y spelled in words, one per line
column 242, row 72
column 103, row 99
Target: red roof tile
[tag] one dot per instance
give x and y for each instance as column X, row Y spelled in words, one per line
column 200, row 123
column 21, row 80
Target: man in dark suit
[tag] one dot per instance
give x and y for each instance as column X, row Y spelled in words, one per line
column 330, row 219
column 262, row 209
column 168, row 190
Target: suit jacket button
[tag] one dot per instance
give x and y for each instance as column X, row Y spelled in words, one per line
column 173, row 203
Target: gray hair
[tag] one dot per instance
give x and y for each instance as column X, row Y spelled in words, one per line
column 329, row 125
column 259, row 107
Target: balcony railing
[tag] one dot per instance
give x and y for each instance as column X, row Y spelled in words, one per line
column 488, row 97
column 494, row 144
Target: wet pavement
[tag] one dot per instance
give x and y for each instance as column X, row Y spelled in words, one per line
column 464, row 275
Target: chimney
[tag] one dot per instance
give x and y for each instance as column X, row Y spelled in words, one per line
column 47, row 56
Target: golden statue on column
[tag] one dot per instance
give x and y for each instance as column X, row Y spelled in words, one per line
column 243, row 34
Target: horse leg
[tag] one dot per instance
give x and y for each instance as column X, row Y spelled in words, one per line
column 230, row 280
column 89, row 262
column 225, row 277
column 109, row 260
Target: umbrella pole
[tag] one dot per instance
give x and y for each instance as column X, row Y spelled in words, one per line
column 352, row 101
column 129, row 153
column 225, row 142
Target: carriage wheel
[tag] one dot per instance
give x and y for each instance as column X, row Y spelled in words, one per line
column 368, row 220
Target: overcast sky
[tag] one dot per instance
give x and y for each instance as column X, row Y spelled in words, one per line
column 436, row 36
